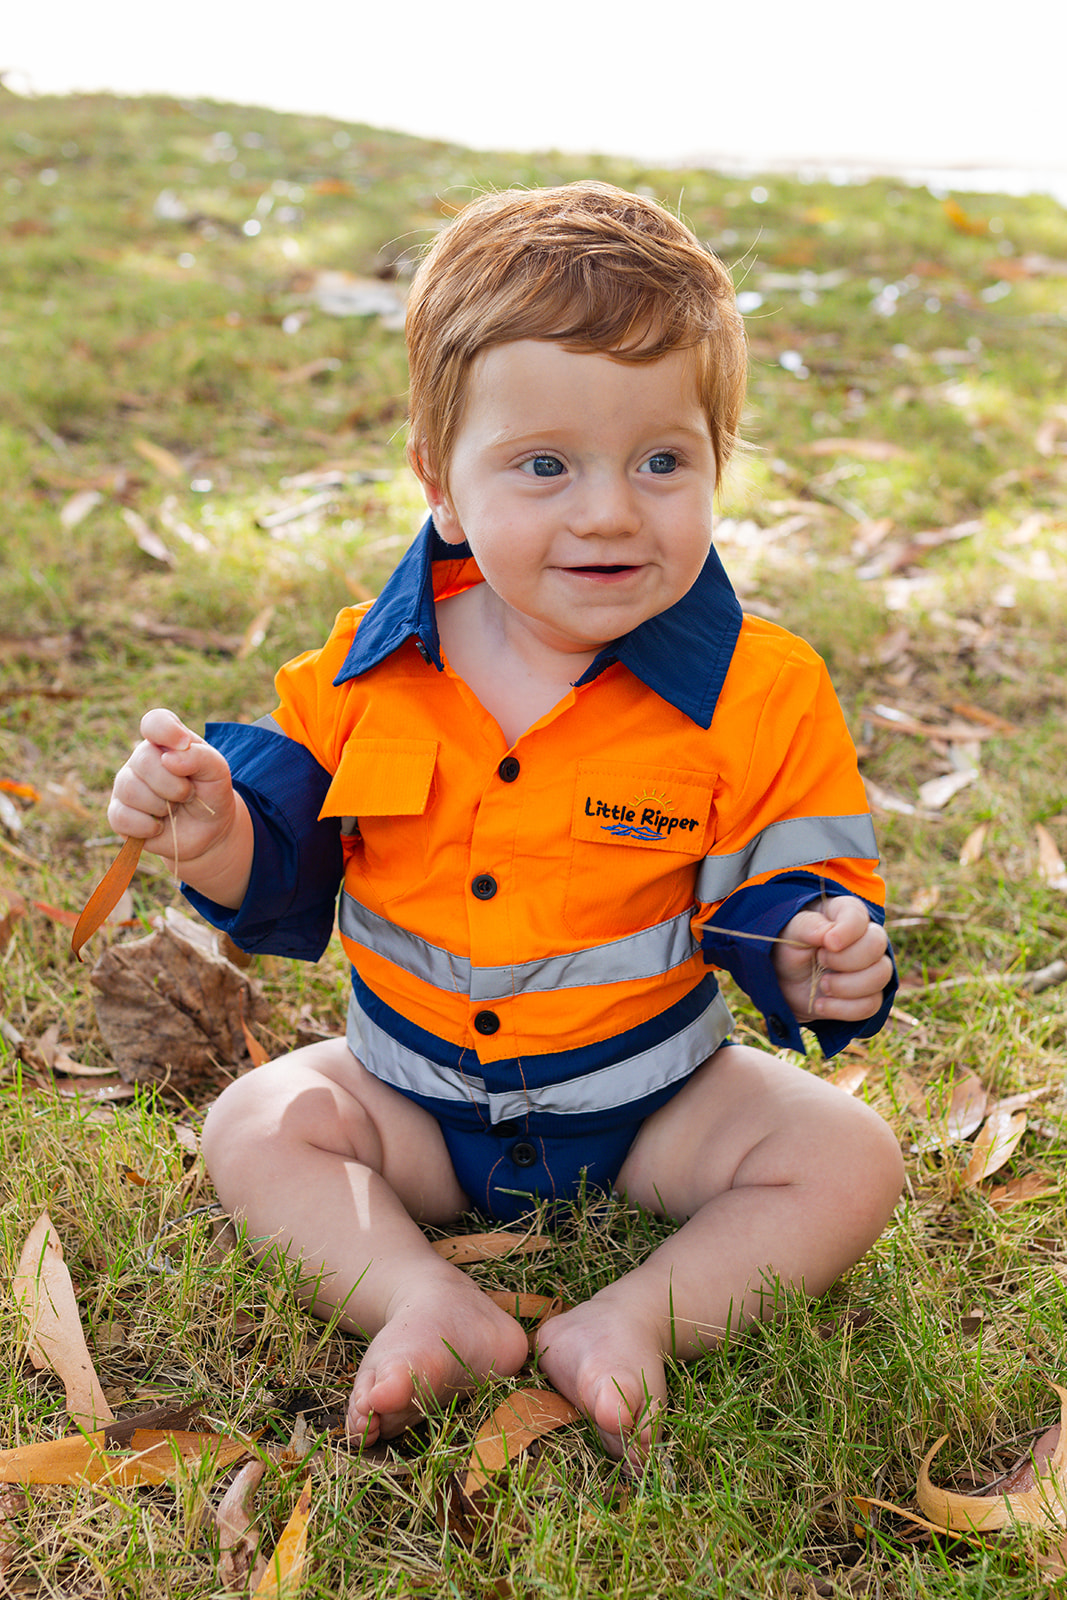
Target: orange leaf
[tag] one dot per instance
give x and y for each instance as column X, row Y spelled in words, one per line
column 524, row 1417
column 468, row 1247
column 66, row 919
column 25, row 791
column 157, row 1456
column 282, row 1577
column 994, row 1146
column 107, row 894
column 45, row 1295
column 524, row 1305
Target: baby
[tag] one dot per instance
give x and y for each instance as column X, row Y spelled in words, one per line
column 559, row 779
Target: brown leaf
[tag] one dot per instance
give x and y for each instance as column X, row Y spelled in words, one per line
column 994, row 1146
column 525, row 1416
column 107, row 894
column 1044, row 1503
column 170, row 1007
column 45, row 1296
column 147, row 539
column 1031, row 1186
column 967, row 1107
column 469, row 1247
column 526, row 1306
column 282, row 1576
column 239, row 1536
column 12, row 1503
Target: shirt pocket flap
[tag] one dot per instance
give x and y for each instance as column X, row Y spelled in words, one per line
column 382, row 778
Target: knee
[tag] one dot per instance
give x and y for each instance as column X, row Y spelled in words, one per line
column 870, row 1169
column 233, row 1126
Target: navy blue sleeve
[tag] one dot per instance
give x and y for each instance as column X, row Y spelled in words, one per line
column 297, row 866
column 765, row 908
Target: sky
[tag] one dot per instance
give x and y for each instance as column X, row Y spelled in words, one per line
column 916, row 82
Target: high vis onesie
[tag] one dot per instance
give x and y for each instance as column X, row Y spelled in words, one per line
column 532, row 928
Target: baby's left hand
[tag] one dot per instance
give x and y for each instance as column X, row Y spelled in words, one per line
column 839, row 938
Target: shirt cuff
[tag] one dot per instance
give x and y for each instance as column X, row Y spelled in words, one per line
column 764, row 909
column 288, row 908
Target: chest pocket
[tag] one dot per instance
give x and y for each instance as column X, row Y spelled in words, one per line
column 381, row 791
column 638, row 833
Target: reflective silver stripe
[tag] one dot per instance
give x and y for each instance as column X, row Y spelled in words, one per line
column 800, row 842
column 405, row 1069
column 669, row 1062
column 417, row 956
column 271, row 724
column 647, row 954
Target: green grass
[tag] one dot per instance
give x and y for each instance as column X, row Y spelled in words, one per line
column 124, row 321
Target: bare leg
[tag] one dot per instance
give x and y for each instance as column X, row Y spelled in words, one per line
column 773, row 1174
column 322, row 1161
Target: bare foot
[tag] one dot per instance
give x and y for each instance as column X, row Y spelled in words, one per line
column 608, row 1363
column 441, row 1339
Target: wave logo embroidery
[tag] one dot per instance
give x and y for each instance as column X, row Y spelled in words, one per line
column 647, row 818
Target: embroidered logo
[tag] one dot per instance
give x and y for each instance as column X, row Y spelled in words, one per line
column 646, row 818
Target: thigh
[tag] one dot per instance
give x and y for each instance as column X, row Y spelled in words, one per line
column 321, row 1098
column 747, row 1117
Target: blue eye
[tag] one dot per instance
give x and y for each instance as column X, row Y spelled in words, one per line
column 662, row 463
column 544, row 466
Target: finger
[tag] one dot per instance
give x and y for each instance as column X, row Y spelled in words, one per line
column 161, row 727
column 865, row 952
column 868, row 984
column 849, row 920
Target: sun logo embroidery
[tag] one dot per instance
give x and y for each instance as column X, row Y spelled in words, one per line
column 665, row 813
column 652, row 817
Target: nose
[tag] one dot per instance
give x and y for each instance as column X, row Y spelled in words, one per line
column 604, row 505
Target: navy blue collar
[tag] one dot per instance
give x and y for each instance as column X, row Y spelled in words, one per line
column 683, row 654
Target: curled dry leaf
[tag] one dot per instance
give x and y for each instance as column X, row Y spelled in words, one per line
column 525, row 1416
column 1043, row 1504
column 994, row 1146
column 282, row 1578
column 239, row 1536
column 1031, row 1186
column 45, row 1296
column 936, row 793
column 469, row 1247
column 967, row 1107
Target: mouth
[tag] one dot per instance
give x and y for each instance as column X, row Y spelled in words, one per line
column 603, row 571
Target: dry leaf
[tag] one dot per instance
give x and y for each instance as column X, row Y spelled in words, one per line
column 255, row 633
column 994, row 1146
column 239, row 1536
column 526, row 1306
column 78, row 507
column 908, row 1094
column 967, row 1108
column 1031, row 1186
column 525, row 1416
column 147, row 540
column 12, row 1503
column 972, row 847
column 45, row 1295
column 1044, row 1503
column 163, row 460
column 469, row 1247
column 107, row 894
column 170, row 1007
column 282, row 1577
column 850, row 1078
column 937, row 792
column 1050, row 864
column 156, row 1456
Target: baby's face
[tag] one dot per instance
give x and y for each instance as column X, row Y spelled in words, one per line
column 584, row 487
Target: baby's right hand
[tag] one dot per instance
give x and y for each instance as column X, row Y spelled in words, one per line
column 175, row 793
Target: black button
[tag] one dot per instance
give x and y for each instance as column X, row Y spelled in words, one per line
column 776, row 1024
column 484, row 886
column 486, row 1021
column 523, row 1154
column 423, row 652
column 509, row 769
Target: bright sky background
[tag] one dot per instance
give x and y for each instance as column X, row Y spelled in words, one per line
column 909, row 82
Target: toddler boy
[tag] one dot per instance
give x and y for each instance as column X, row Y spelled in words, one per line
column 562, row 779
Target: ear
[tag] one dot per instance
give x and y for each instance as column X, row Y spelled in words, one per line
column 441, row 509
